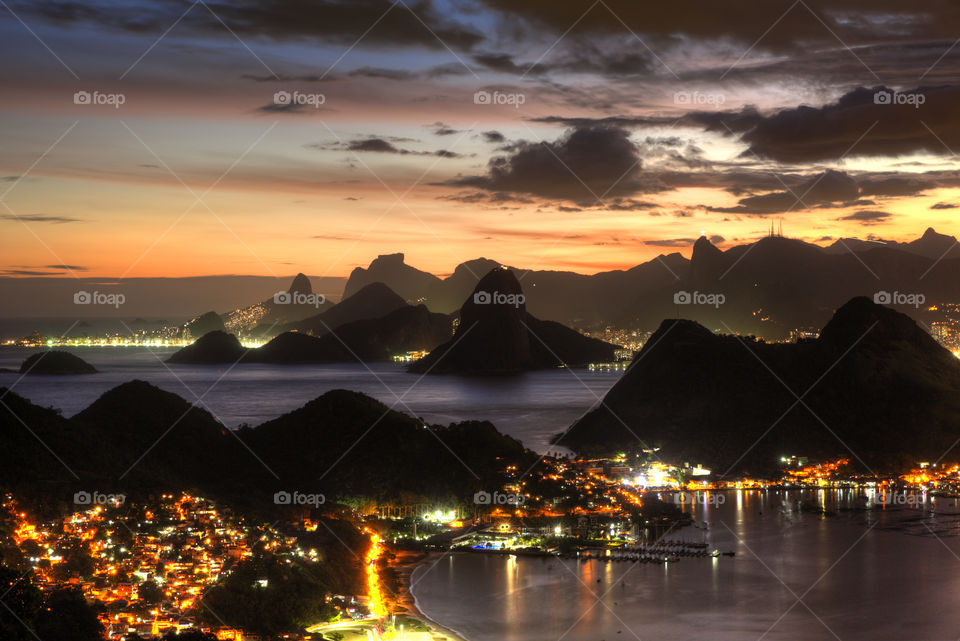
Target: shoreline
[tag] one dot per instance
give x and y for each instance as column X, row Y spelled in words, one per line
column 407, row 562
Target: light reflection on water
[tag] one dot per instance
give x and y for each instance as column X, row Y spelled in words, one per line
column 870, row 571
column 533, row 407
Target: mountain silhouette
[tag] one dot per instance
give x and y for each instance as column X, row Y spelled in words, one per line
column 213, row 348
column 137, row 437
column 268, row 317
column 496, row 335
column 204, row 324
column 770, row 286
column 874, row 388
column 370, row 301
column 408, row 282
column 55, row 363
column 404, row 329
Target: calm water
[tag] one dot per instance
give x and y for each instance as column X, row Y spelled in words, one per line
column 879, row 575
column 533, row 407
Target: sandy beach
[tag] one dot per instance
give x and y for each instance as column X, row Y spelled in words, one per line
column 405, row 563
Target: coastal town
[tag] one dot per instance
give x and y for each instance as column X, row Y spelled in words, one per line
column 147, row 566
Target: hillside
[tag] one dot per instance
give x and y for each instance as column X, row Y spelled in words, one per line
column 496, row 335
column 55, row 363
column 875, row 388
column 136, row 437
column 770, row 286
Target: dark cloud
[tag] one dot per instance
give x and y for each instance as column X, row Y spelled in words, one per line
column 625, row 122
column 578, row 56
column 829, row 188
column 628, row 204
column 417, row 23
column 493, row 136
column 493, row 198
column 295, row 109
column 681, row 242
column 782, row 26
column 671, row 242
column 377, row 73
column 894, row 186
column 585, row 166
column 724, row 122
column 867, row 216
column 41, row 270
column 857, row 125
column 862, row 122
column 28, row 272
column 378, row 145
column 944, row 206
column 383, row 146
column 440, row 129
column 505, row 63
column 41, row 218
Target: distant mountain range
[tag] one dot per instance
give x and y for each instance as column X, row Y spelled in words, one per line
column 768, row 287
column 372, row 325
column 874, row 388
column 495, row 335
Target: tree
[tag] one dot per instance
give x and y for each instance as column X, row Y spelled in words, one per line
column 65, row 616
column 149, row 592
column 268, row 596
column 23, row 601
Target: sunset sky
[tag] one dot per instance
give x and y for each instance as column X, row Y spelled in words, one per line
column 625, row 130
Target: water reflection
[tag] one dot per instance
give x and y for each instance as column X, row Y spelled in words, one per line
column 854, row 556
column 533, row 407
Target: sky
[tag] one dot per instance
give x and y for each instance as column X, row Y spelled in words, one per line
column 171, row 138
